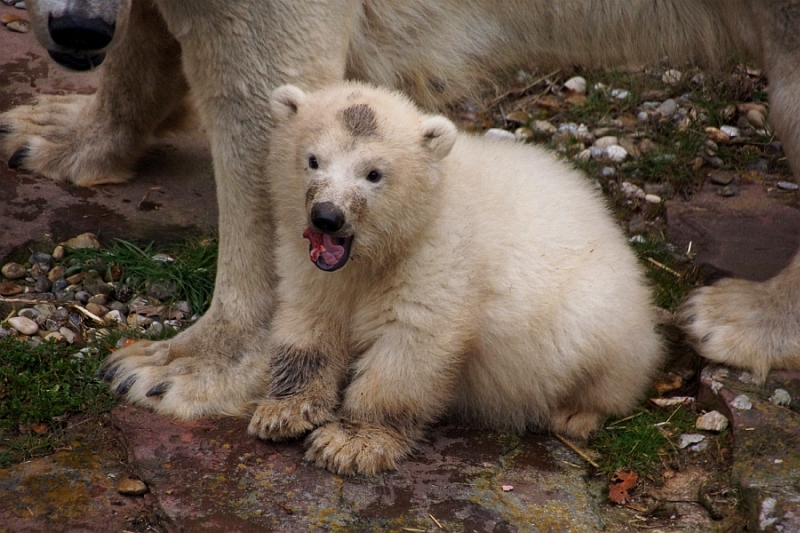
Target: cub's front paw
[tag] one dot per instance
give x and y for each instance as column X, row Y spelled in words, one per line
column 288, row 418
column 350, row 448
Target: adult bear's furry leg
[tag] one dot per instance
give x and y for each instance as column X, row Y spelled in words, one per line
column 93, row 139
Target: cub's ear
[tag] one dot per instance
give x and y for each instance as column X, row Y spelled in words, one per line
column 284, row 103
column 439, row 136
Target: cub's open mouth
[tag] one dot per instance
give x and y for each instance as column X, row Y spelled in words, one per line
column 328, row 252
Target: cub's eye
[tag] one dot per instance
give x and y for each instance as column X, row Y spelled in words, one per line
column 374, row 176
column 312, row 162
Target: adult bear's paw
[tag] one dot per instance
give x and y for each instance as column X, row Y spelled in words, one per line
column 59, row 138
column 746, row 324
column 292, row 417
column 349, row 448
column 206, row 370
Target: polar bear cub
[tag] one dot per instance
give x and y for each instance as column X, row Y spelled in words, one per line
column 426, row 272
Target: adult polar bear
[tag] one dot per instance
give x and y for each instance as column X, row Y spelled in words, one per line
column 229, row 54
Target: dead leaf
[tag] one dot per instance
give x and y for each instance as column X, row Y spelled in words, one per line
column 621, row 483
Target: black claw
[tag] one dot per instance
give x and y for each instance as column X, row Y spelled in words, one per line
column 107, row 371
column 159, row 389
column 17, row 157
column 125, row 386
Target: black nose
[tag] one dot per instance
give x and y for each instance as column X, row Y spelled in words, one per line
column 326, row 217
column 78, row 33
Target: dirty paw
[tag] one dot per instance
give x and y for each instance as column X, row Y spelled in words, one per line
column 350, row 448
column 290, row 417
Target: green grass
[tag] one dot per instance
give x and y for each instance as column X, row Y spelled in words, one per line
column 642, row 441
column 192, row 269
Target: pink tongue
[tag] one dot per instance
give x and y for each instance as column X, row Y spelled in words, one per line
column 323, row 245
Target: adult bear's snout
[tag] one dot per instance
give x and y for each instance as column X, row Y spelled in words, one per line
column 79, row 33
column 327, row 217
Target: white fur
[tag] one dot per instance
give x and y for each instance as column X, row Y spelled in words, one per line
column 487, row 279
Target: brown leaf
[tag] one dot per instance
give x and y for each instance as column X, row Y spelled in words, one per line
column 621, row 483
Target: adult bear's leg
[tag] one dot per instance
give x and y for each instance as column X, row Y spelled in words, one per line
column 88, row 140
column 234, row 53
column 744, row 323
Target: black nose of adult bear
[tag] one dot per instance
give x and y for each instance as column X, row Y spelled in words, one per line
column 326, row 217
column 80, row 34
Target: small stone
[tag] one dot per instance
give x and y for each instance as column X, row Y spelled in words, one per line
column 576, row 83
column 40, row 257
column 608, row 172
column 43, row 284
column 83, row 296
column 721, row 178
column 4, row 333
column 54, row 336
column 497, row 133
column 712, row 421
column 672, row 77
column 620, row 94
column 118, row 306
column 138, row 320
column 543, row 126
column 585, row 155
column 29, row 312
column 781, row 397
column 616, row 153
column 756, row 119
column 161, row 290
column 155, row 328
column 69, row 335
column 59, row 252
column 10, row 289
column 45, row 309
column 14, row 271
column 787, row 186
column 631, row 191
column 59, row 285
column 114, row 317
column 717, row 135
column 24, row 325
column 742, row 402
column 99, row 299
column 652, row 198
column 523, row 134
column 9, row 17
column 774, row 148
column 729, row 191
column 56, row 273
column 730, row 131
column 688, row 439
column 131, row 487
column 19, row 26
column 76, row 279
column 667, row 108
column 97, row 309
column 518, row 117
column 84, row 240
column 606, row 142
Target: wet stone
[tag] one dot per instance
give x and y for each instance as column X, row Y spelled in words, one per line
column 43, row 284
column 56, row 273
column 29, row 313
column 83, row 296
column 24, row 325
column 10, row 289
column 40, row 257
column 59, row 285
column 13, row 271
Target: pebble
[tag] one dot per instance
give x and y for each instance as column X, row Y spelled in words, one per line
column 712, row 421
column 24, row 325
column 620, row 94
column 13, row 271
column 781, row 397
column 605, row 142
column 717, row 135
column 616, row 153
column 742, row 402
column 114, row 317
column 40, row 257
column 497, row 133
column 632, row 191
column 543, row 126
column 97, row 309
column 667, row 108
column 730, row 131
column 131, row 487
column 56, row 273
column 729, row 191
column 69, row 335
column 523, row 134
column 43, row 284
column 10, row 289
column 787, row 186
column 672, row 77
column 54, row 336
column 608, row 172
column 519, row 117
column 652, row 198
column 688, row 439
column 29, row 312
column 756, row 119
column 59, row 252
column 84, row 240
column 19, row 26
column 83, row 296
column 721, row 178
column 576, row 83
